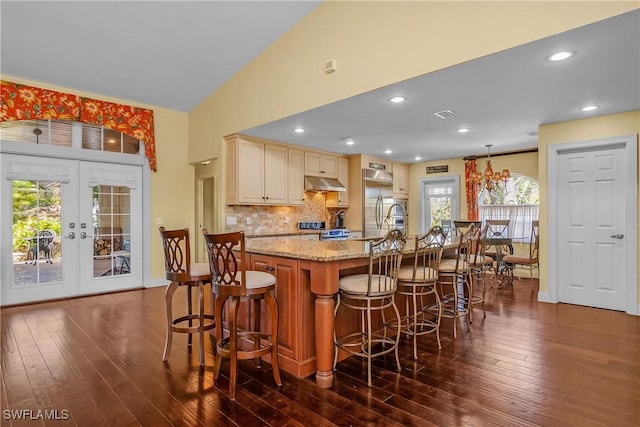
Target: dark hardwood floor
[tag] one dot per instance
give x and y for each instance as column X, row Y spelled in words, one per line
column 97, row 361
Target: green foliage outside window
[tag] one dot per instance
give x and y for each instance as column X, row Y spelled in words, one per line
column 36, row 207
column 520, row 190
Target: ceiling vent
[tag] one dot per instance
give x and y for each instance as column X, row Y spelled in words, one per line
column 445, row 114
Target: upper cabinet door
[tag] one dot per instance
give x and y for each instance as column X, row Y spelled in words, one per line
column 319, row 164
column 275, row 174
column 343, row 177
column 251, row 161
column 296, row 177
column 400, row 180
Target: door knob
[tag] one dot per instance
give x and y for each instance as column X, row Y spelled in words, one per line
column 84, row 235
column 71, row 235
column 617, row 236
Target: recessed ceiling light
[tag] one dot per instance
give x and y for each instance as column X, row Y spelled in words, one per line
column 397, row 99
column 298, row 130
column 387, row 151
column 349, row 142
column 560, row 56
column 463, row 130
column 590, row 108
column 418, row 158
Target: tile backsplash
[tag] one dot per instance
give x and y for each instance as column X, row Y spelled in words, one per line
column 278, row 219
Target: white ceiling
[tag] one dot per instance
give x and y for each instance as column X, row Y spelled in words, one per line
column 170, row 54
column 188, row 49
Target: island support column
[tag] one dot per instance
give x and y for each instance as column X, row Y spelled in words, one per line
column 324, row 280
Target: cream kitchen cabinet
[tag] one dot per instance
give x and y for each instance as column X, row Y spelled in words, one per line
column 340, row 198
column 296, row 177
column 400, row 180
column 320, row 164
column 256, row 172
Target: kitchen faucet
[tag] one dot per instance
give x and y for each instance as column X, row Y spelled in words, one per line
column 404, row 216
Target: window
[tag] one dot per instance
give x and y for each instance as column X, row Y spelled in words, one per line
column 518, row 201
column 439, row 201
column 59, row 132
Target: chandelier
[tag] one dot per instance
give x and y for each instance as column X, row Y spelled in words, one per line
column 490, row 179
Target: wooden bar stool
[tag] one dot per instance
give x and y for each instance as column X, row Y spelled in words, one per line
column 181, row 272
column 233, row 283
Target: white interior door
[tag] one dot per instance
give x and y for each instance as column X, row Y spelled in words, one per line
column 51, row 209
column 592, row 237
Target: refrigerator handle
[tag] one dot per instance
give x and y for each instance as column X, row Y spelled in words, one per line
column 378, row 200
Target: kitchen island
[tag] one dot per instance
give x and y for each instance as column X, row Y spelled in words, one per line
column 307, row 275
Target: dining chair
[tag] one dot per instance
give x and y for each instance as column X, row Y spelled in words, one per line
column 182, row 273
column 235, row 283
column 456, row 273
column 446, row 226
column 369, row 293
column 479, row 264
column 462, row 226
column 512, row 261
column 417, row 282
column 496, row 228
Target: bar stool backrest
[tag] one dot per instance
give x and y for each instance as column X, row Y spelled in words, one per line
column 226, row 261
column 385, row 256
column 428, row 253
column 177, row 255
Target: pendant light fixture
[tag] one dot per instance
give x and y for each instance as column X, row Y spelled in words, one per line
column 490, row 179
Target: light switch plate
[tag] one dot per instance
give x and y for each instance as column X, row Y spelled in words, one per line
column 231, row 220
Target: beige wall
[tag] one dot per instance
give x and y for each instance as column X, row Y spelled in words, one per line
column 169, row 200
column 523, row 163
column 375, row 44
column 578, row 130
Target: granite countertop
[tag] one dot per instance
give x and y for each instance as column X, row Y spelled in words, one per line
column 327, row 250
column 322, row 250
column 283, row 233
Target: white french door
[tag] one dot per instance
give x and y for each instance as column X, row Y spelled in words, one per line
column 594, row 198
column 69, row 227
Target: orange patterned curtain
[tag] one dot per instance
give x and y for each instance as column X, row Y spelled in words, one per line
column 22, row 102
column 132, row 121
column 470, row 167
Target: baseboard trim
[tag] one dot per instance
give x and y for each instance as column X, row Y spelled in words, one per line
column 154, row 283
column 543, row 296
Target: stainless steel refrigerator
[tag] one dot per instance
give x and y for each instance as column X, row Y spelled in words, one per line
column 381, row 212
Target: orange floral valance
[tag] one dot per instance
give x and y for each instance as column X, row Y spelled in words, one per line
column 22, row 102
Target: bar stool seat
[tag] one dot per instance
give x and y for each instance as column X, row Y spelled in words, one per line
column 182, row 273
column 234, row 283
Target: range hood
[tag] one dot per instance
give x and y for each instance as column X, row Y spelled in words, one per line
column 318, row 183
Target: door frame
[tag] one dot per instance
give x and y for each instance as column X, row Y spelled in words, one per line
column 631, row 207
column 74, row 153
column 455, row 203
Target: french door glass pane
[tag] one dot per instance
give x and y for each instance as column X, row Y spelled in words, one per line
column 112, row 230
column 37, row 249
